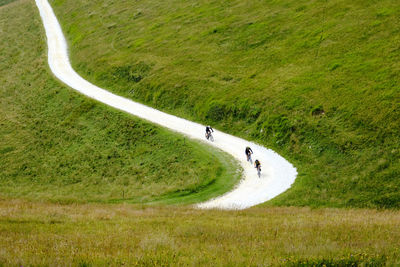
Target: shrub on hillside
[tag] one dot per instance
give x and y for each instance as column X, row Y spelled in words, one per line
column 216, row 111
column 275, row 128
column 131, row 73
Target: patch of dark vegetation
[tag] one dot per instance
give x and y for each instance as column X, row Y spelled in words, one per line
column 274, row 128
column 389, row 199
column 350, row 260
column 6, row 150
column 334, row 66
column 5, row 2
column 84, row 263
column 216, row 111
column 193, row 190
column 29, row 221
column 317, row 110
column 131, row 73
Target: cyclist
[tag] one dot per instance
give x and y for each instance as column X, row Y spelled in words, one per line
column 208, row 131
column 248, row 152
column 257, row 165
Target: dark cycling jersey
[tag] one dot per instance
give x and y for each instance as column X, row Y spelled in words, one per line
column 248, row 151
column 209, row 129
column 257, row 163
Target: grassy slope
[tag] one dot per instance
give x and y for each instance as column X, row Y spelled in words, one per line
column 316, row 80
column 58, row 145
column 93, row 234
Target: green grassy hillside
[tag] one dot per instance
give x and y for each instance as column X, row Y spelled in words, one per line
column 318, row 81
column 58, row 145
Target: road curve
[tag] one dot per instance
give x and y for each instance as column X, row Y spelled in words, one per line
column 277, row 173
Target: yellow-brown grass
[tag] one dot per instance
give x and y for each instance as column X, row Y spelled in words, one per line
column 84, row 234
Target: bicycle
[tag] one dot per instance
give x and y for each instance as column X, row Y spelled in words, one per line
column 209, row 136
column 257, row 165
column 249, row 158
column 259, row 171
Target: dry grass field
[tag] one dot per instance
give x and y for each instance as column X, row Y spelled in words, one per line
column 34, row 233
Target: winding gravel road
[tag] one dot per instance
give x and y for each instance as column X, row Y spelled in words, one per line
column 277, row 173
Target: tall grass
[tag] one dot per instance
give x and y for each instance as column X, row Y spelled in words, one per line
column 90, row 235
column 316, row 80
column 57, row 145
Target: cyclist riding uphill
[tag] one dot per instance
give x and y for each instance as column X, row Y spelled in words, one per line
column 208, row 131
column 248, row 152
column 257, row 165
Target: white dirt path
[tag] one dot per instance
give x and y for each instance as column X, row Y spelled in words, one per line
column 277, row 173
